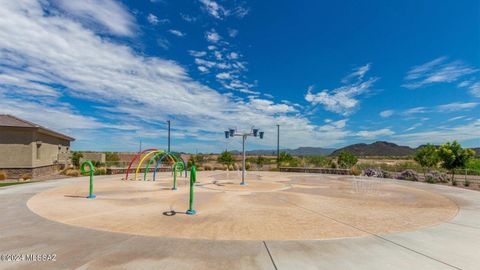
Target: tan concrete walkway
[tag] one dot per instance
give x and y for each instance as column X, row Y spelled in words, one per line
column 436, row 242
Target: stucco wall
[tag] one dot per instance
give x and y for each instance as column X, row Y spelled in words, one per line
column 16, row 147
column 52, row 150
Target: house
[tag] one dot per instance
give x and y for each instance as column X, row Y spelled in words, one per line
column 26, row 147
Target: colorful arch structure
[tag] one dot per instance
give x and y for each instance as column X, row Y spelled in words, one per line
column 153, row 153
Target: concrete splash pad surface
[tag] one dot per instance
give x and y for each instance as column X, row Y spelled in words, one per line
column 273, row 206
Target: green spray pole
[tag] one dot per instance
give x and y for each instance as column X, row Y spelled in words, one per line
column 193, row 179
column 174, row 176
column 91, row 171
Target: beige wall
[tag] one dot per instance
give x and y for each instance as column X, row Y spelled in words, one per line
column 95, row 156
column 18, row 148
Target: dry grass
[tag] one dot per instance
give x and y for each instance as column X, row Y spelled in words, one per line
column 3, row 175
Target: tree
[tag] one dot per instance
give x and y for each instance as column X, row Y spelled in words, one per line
column 226, row 158
column 260, row 161
column 285, row 157
column 427, row 157
column 453, row 156
column 346, row 160
column 76, row 158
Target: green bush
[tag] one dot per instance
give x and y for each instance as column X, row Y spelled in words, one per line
column 226, row 158
column 100, row 171
column 318, row 161
column 346, row 160
column 76, row 155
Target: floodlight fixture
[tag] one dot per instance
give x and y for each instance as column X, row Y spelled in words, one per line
column 255, row 132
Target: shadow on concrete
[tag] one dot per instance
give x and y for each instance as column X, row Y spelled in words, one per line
column 75, row 196
column 172, row 213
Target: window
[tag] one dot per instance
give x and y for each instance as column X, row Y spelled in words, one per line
column 38, row 150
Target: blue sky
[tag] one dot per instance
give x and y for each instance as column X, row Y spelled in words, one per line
column 331, row 73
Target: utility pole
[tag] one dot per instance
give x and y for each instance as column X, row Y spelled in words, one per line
column 278, row 146
column 168, row 121
column 140, row 147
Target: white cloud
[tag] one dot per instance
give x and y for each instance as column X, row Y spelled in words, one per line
column 414, row 126
column 232, row 32
column 197, row 53
column 415, row 110
column 475, row 89
column 176, row 32
column 220, row 12
column 152, row 19
column 436, row 71
column 203, row 69
column 59, row 59
column 372, row 134
column 223, row 75
column 109, row 14
column 233, row 56
column 342, row 100
column 212, row 36
column 456, row 118
column 457, row 106
column 386, row 113
column 163, row 43
column 357, row 73
column 214, row 9
column 188, row 18
column 441, row 135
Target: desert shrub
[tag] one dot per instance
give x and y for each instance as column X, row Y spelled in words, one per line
column 226, row 158
column 219, row 168
column 72, row 172
column 3, row 175
column 373, row 172
column 207, row 167
column 454, row 182
column 230, row 167
column 248, row 165
column 112, row 156
column 409, row 175
column 466, row 183
column 97, row 163
column 26, row 176
column 355, row 171
column 387, row 174
column 274, row 169
column 100, row 171
column 435, row 177
column 318, row 161
column 200, row 168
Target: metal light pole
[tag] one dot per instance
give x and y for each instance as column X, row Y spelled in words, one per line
column 233, row 133
column 278, row 146
column 168, row 121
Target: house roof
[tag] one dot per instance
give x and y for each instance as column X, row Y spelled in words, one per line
column 7, row 120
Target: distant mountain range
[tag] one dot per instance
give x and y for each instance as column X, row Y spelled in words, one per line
column 301, row 151
column 379, row 149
